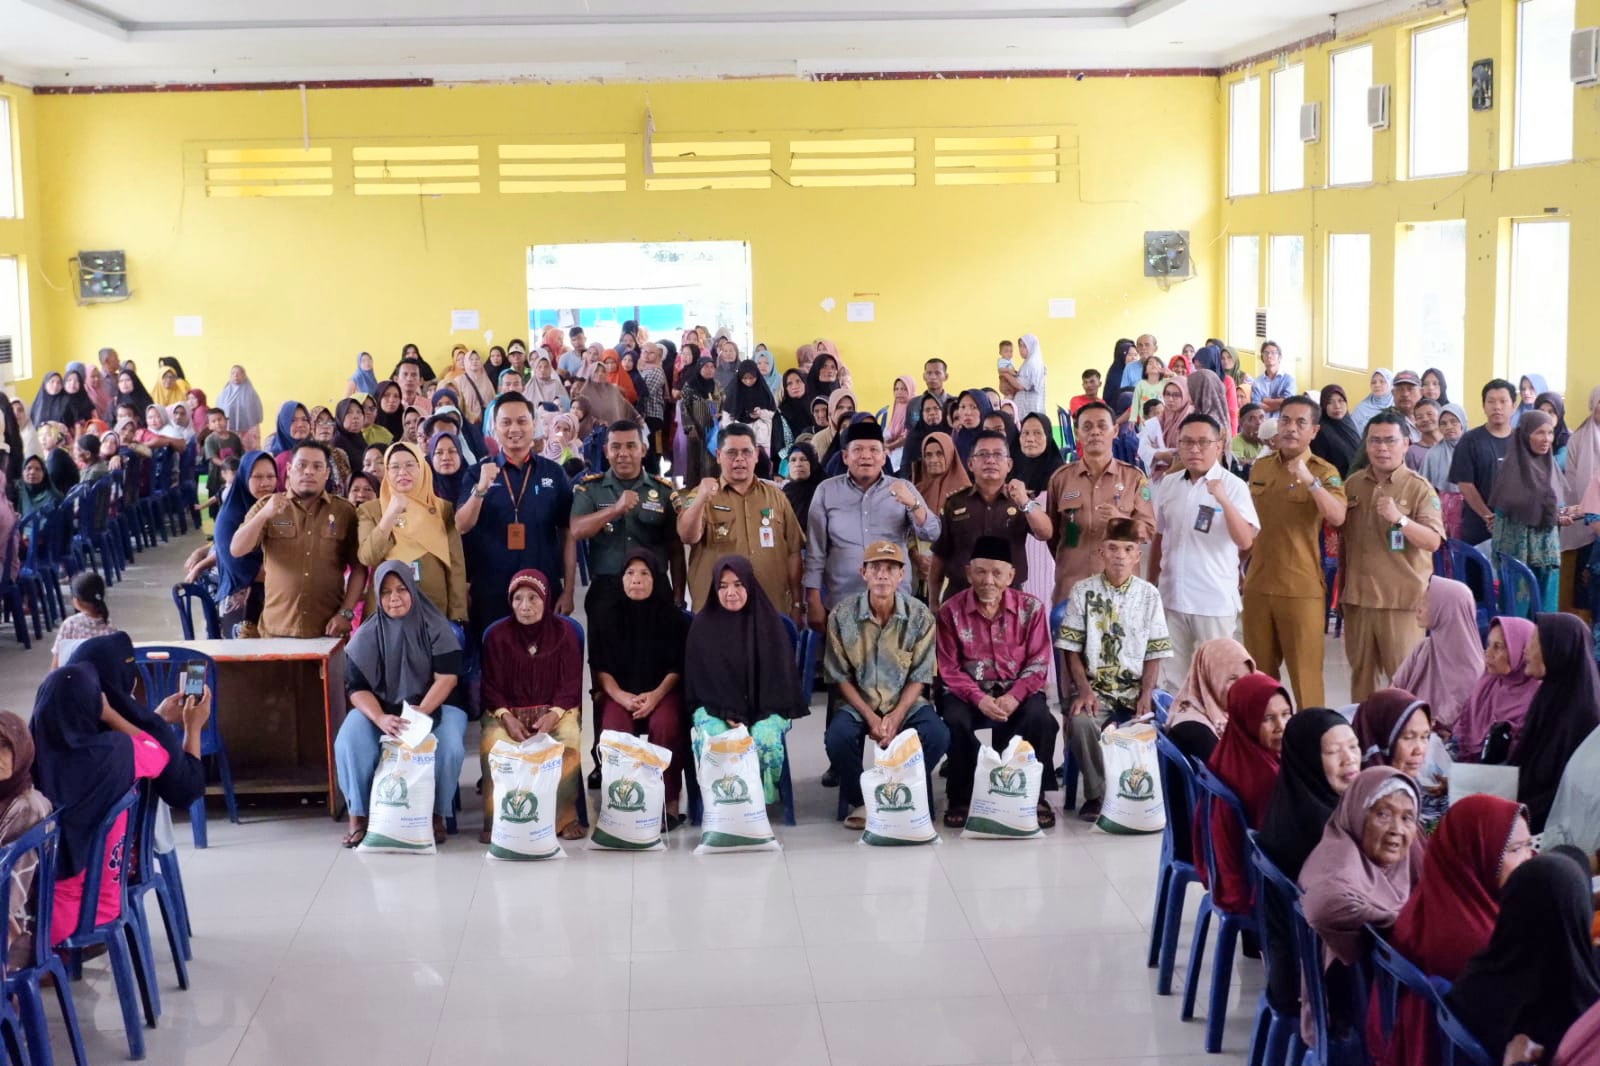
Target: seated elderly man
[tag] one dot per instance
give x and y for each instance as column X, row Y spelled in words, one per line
column 994, row 653
column 879, row 659
column 1115, row 636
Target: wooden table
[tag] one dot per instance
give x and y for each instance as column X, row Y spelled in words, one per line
column 279, row 702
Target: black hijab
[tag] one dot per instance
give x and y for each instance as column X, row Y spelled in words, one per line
column 1111, row 390
column 1559, row 405
column 354, row 445
column 49, row 407
column 1444, row 384
column 1563, row 713
column 744, row 400
column 394, row 422
column 1338, row 440
column 80, row 405
column 815, row 386
column 1035, row 472
column 1538, row 973
column 1302, row 800
column 796, row 410
column 703, row 387
column 643, row 639
column 80, row 769
column 140, row 396
column 184, row 779
column 800, row 492
column 740, row 664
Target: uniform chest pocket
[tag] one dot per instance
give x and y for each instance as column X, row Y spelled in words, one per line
column 281, row 529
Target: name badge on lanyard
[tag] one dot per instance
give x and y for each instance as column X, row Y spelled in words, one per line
column 516, row 531
column 516, row 536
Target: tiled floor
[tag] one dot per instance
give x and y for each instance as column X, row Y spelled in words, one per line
column 968, row 952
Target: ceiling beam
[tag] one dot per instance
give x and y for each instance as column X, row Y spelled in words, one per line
column 84, row 15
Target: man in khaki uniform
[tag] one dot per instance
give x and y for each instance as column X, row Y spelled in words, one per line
column 1085, row 495
column 1295, row 492
column 742, row 515
column 1391, row 530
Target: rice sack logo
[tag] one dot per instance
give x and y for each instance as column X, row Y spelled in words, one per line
column 892, row 796
column 519, row 805
column 730, row 789
column 392, row 791
column 1136, row 784
column 1008, row 781
column 626, row 795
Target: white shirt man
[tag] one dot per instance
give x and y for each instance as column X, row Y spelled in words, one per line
column 1204, row 519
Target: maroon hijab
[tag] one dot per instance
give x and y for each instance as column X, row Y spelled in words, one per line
column 532, row 666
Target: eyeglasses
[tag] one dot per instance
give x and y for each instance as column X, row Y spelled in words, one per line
column 989, row 455
column 1195, row 445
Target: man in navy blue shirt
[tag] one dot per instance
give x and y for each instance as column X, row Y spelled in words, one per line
column 514, row 517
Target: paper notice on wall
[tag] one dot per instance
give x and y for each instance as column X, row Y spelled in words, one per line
column 187, row 326
column 1063, row 308
column 860, row 311
column 460, row 320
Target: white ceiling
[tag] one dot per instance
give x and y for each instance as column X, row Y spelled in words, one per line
column 75, row 42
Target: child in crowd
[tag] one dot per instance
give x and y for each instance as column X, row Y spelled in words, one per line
column 1152, row 440
column 93, row 618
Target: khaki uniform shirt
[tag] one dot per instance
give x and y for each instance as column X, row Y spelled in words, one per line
column 1374, row 575
column 1287, row 557
column 653, row 524
column 305, row 552
column 1077, row 531
column 967, row 517
column 733, row 526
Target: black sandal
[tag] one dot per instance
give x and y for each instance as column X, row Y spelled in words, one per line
column 955, row 818
column 675, row 821
column 355, row 837
column 1047, row 817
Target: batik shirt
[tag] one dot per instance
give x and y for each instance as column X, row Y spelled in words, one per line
column 1117, row 629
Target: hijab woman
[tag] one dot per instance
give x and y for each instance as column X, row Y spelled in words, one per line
column 1210, row 397
column 1451, row 912
column 21, row 808
column 171, row 386
column 50, row 404
column 1442, row 669
column 35, row 490
column 1338, row 441
column 748, row 399
column 1538, row 974
column 1562, row 713
column 1502, row 694
column 243, row 406
column 1246, row 759
column 941, row 472
column 1380, row 398
column 930, row 420
column 608, row 392
column 638, row 665
column 80, row 405
column 795, row 407
column 1199, row 712
column 86, row 758
column 404, row 653
column 805, row 474
column 1359, row 874
column 533, row 683
column 449, row 468
column 740, row 669
column 1321, row 759
column 697, row 413
column 823, row 377
column 349, row 431
column 409, row 524
column 1527, row 497
column 363, row 380
column 899, row 426
column 1175, row 407
column 544, row 385
column 390, row 417
column 1393, row 726
column 240, row 593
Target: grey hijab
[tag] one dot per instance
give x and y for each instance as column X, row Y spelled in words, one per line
column 395, row 655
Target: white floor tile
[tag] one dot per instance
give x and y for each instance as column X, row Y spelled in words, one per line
column 734, row 922
column 730, row 977
column 517, row 1039
column 912, row 970
column 1033, row 912
column 884, row 917
column 547, row 985
column 928, row 1032
column 778, row 1035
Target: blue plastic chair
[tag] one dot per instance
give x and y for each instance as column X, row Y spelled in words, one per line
column 1520, row 595
column 108, row 536
column 145, row 877
column 185, row 597
column 1457, row 1044
column 1393, row 972
column 25, row 983
column 1214, row 796
column 127, row 946
column 1275, row 1037
column 12, row 598
column 1468, row 566
column 161, row 668
column 1308, row 949
column 1064, row 428
column 39, row 579
column 1173, row 875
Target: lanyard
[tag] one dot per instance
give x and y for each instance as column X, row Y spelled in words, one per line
column 516, row 497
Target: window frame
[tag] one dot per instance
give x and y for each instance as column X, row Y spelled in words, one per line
column 1247, row 342
column 1521, row 93
column 1457, row 87
column 1296, row 149
column 1336, row 317
column 10, row 162
column 1538, row 356
column 1335, row 113
column 1246, row 137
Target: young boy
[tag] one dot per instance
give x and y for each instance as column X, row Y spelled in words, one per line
column 1006, row 363
column 1247, row 445
column 1091, row 392
column 1115, row 636
column 221, row 443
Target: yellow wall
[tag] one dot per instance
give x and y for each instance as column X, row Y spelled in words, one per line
column 293, row 288
column 1489, row 196
column 24, row 237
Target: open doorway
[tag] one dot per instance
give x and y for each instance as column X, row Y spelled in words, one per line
column 666, row 287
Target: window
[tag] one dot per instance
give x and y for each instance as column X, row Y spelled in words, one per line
column 1538, row 339
column 8, row 166
column 1288, row 317
column 1439, row 105
column 1350, row 138
column 1244, row 137
column 1349, row 299
column 1430, row 322
column 665, row 287
column 1288, row 151
column 13, row 324
column 1544, row 93
column 1244, row 290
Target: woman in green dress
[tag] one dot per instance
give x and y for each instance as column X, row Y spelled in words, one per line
column 1528, row 497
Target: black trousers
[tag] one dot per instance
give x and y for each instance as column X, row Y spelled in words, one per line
column 1032, row 721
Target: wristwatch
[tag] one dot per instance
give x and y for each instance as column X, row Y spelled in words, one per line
column 1404, row 522
column 1030, row 506
column 347, row 614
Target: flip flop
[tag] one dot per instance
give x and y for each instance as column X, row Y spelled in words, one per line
column 355, row 837
column 955, row 818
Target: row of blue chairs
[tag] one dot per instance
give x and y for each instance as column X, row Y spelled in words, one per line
column 1275, row 1037
column 1507, row 586
column 125, row 938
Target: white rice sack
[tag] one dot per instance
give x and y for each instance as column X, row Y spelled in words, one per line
column 633, row 789
column 896, row 794
column 400, row 810
column 526, row 777
column 1133, row 780
column 734, row 814
column 1005, row 794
